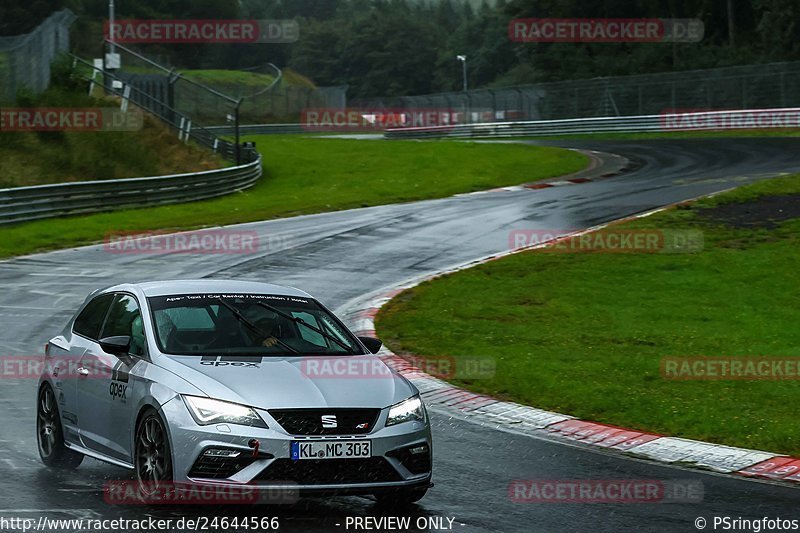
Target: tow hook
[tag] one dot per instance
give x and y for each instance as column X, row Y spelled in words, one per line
column 253, row 443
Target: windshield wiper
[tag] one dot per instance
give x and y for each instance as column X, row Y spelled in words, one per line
column 299, row 320
column 240, row 317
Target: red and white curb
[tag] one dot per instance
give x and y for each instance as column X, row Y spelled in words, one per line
column 616, row 165
column 613, row 164
column 360, row 316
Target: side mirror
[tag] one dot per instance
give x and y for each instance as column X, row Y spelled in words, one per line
column 373, row 345
column 116, row 345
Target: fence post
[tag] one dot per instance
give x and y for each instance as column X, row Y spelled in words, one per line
column 172, row 77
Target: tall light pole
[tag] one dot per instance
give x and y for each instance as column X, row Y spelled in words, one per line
column 111, row 48
column 463, row 60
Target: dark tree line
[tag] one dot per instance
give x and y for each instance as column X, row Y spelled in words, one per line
column 400, row 47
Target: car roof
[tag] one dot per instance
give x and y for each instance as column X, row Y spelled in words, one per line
column 205, row 286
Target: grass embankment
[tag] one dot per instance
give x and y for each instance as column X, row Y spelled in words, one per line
column 247, row 78
column 36, row 158
column 584, row 333
column 307, row 175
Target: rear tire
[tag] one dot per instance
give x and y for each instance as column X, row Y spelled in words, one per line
column 401, row 497
column 50, row 435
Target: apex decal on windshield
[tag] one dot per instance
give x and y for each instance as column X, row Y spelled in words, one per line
column 231, row 360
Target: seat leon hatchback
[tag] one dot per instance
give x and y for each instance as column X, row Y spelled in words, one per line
column 230, row 383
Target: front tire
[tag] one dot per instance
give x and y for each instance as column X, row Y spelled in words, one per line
column 50, row 434
column 153, row 456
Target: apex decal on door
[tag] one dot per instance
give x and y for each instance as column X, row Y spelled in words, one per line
column 118, row 390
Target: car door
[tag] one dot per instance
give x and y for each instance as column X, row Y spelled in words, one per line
column 106, row 394
column 85, row 331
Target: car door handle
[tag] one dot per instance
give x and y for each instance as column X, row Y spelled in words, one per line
column 83, row 371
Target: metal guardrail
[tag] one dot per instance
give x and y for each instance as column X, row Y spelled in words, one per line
column 21, row 204
column 667, row 122
column 258, row 129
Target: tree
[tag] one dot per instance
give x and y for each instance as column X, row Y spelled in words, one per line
column 19, row 17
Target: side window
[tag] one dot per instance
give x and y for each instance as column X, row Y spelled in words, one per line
column 91, row 318
column 124, row 319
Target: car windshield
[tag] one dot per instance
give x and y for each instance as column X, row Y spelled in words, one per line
column 244, row 324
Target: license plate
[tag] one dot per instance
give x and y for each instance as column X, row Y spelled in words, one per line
column 322, row 449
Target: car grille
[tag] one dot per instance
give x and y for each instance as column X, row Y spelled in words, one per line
column 330, row 471
column 416, row 463
column 309, row 421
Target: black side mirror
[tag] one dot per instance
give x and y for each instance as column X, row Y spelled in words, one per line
column 373, row 345
column 116, row 345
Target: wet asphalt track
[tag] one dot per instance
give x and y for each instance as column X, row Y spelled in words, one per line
column 339, row 256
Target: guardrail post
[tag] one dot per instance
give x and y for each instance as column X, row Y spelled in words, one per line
column 171, row 79
column 126, row 96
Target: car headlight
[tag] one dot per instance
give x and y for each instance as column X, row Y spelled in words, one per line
column 207, row 411
column 411, row 409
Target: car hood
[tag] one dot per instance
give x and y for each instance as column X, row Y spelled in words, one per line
column 294, row 382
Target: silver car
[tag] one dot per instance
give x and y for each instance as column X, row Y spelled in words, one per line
column 230, row 383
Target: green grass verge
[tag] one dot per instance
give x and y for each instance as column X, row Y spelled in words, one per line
column 584, row 333
column 311, row 175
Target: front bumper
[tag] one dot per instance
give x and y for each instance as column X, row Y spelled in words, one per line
column 392, row 466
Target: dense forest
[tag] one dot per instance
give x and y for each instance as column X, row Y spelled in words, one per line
column 401, row 47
